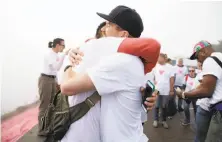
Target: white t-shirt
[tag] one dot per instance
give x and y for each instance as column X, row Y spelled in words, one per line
column 52, row 62
column 117, row 81
column 180, row 72
column 210, row 67
column 203, row 102
column 189, row 82
column 162, row 74
column 87, row 129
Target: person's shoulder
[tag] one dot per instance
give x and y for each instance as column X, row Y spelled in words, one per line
column 123, row 61
column 218, row 55
column 122, row 58
column 48, row 54
column 107, row 41
column 210, row 62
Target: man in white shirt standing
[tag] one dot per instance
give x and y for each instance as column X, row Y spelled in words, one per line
column 210, row 89
column 164, row 80
column 180, row 72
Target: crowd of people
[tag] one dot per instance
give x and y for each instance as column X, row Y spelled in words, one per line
column 117, row 64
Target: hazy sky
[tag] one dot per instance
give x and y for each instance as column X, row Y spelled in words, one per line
column 28, row 25
column 177, row 24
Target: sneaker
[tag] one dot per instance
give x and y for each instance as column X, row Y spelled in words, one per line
column 155, row 124
column 165, row 125
column 185, row 123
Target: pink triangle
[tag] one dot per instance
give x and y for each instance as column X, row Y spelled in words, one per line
column 180, row 71
column 161, row 72
column 191, row 83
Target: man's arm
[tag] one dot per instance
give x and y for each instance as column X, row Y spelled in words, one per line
column 172, row 80
column 211, row 73
column 205, row 89
column 75, row 83
column 101, row 77
column 172, row 83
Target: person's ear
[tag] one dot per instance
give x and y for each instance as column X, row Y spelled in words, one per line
column 124, row 34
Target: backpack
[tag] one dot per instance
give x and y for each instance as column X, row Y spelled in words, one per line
column 59, row 116
column 218, row 105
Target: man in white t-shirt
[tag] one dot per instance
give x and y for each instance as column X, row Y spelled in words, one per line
column 115, row 80
column 210, row 88
column 180, row 72
column 119, row 86
column 164, row 81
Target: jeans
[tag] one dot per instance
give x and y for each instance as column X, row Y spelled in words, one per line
column 179, row 100
column 203, row 119
column 215, row 130
column 187, row 109
column 162, row 101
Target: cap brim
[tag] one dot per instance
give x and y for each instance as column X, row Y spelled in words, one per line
column 106, row 17
column 193, row 56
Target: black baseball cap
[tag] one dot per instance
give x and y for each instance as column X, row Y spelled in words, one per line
column 126, row 18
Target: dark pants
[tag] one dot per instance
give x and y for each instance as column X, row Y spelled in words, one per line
column 203, row 119
column 47, row 90
column 162, row 101
column 215, row 130
column 187, row 109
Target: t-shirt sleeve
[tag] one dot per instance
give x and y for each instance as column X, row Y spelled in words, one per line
column 108, row 76
column 210, row 67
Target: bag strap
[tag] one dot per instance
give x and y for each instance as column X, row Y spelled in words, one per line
column 93, row 99
column 217, row 60
column 53, row 101
column 85, row 107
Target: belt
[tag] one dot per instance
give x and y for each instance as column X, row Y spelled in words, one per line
column 50, row 76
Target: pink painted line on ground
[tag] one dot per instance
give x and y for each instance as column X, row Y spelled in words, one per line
column 15, row 127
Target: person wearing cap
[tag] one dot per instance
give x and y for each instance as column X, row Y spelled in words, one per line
column 125, row 25
column 209, row 91
column 112, row 74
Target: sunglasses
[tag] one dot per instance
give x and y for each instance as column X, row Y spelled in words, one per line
column 191, row 70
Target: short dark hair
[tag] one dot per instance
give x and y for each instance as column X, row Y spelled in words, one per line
column 169, row 60
column 98, row 30
column 55, row 42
